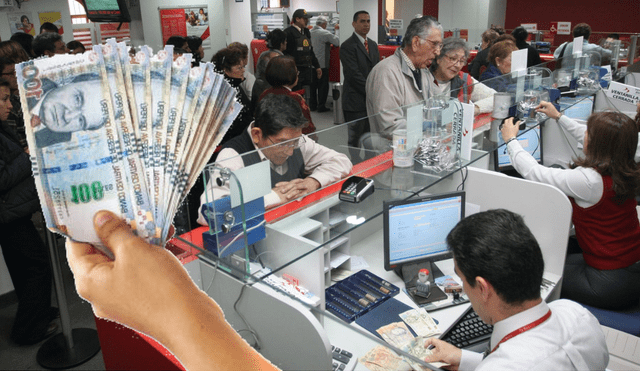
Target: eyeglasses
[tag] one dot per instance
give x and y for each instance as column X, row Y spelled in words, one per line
column 290, row 144
column 435, row 45
column 455, row 61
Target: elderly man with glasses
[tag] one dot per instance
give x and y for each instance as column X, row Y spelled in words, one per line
column 402, row 78
column 299, row 165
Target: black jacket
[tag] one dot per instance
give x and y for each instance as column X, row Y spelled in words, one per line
column 18, row 196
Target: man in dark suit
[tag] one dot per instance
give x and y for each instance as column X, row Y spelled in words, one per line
column 358, row 56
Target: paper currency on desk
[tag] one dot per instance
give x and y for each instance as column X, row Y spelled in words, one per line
column 100, row 121
column 396, row 334
column 421, row 322
column 417, row 349
column 383, row 359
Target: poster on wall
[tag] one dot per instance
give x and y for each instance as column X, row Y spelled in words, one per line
column 561, row 28
column 186, row 21
column 23, row 22
column 53, row 17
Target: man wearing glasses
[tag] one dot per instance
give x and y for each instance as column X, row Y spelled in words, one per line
column 402, row 79
column 299, row 165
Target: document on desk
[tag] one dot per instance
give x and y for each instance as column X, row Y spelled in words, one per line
column 421, row 322
column 396, row 334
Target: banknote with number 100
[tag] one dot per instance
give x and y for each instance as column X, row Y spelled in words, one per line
column 74, row 143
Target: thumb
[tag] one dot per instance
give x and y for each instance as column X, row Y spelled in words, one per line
column 114, row 232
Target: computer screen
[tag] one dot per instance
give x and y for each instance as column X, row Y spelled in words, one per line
column 531, row 141
column 107, row 10
column 415, row 230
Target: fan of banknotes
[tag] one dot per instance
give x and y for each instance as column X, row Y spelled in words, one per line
column 129, row 134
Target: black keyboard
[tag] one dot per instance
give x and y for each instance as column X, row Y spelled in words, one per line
column 340, row 357
column 468, row 331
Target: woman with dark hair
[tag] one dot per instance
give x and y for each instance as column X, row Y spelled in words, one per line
column 13, row 51
column 27, row 26
column 195, row 45
column 179, row 42
column 499, row 65
column 601, row 186
column 249, row 79
column 282, row 75
column 229, row 62
column 533, row 56
column 277, row 40
column 24, row 252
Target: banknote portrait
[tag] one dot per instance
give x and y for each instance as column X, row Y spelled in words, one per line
column 68, row 108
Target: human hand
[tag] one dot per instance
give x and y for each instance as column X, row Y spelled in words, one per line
column 297, row 187
column 509, row 129
column 319, row 72
column 443, row 352
column 548, row 109
column 142, row 287
column 337, row 26
column 476, row 110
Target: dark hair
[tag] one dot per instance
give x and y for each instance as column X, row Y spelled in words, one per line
column 501, row 50
column 194, row 42
column 4, row 62
column 244, row 50
column 74, row 44
column 421, row 27
column 276, row 112
column 263, row 61
column 177, row 41
column 23, row 18
column 281, row 71
column 276, row 38
column 448, row 45
column 614, row 36
column 48, row 26
column 25, row 40
column 4, row 83
column 13, row 51
column 520, row 34
column 226, row 58
column 355, row 16
column 45, row 42
column 582, row 29
column 611, row 147
column 498, row 246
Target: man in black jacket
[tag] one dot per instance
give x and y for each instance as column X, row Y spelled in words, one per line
column 299, row 47
column 358, row 56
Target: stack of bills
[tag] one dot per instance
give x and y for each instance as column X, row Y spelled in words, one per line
column 126, row 134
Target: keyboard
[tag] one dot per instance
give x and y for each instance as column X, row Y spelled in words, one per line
column 341, row 359
column 468, row 332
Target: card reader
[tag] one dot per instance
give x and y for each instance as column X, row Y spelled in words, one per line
column 356, row 189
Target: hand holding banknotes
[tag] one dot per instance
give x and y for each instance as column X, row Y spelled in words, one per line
column 146, row 288
column 443, row 352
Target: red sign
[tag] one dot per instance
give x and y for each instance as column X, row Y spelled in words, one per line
column 448, row 34
column 464, row 34
column 173, row 23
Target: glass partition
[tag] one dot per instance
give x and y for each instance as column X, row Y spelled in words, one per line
column 257, row 237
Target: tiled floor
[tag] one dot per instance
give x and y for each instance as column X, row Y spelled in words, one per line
column 14, row 357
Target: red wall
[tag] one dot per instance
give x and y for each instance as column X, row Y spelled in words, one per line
column 604, row 17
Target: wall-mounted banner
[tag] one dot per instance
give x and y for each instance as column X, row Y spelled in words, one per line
column 192, row 20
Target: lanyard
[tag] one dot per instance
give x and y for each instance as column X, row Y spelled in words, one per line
column 523, row 329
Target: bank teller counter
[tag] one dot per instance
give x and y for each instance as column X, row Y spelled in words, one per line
column 308, row 241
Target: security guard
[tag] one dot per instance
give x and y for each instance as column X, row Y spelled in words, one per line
column 299, row 47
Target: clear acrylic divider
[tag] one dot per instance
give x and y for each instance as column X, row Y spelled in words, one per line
column 306, row 240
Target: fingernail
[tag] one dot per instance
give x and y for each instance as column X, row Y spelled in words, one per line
column 102, row 217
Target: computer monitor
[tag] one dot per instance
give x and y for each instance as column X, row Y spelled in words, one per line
column 415, row 232
column 106, row 10
column 531, row 141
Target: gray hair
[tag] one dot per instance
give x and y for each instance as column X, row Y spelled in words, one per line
column 322, row 20
column 263, row 60
column 421, row 27
column 450, row 44
column 276, row 112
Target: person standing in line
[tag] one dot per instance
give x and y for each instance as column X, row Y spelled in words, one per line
column 358, row 54
column 299, row 47
column 323, row 40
